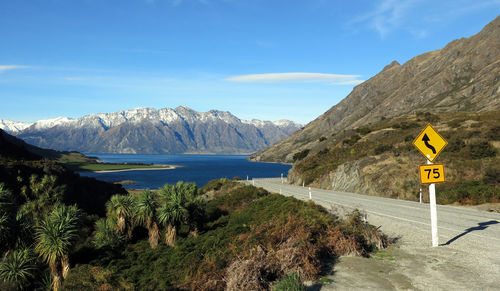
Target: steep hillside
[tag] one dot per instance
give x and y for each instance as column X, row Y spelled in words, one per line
column 146, row 130
column 22, row 166
column 381, row 159
column 463, row 76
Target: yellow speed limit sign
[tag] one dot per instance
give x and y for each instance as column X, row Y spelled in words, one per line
column 432, row 174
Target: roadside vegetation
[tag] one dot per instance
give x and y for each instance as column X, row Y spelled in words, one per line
column 225, row 235
column 471, row 157
column 60, row 231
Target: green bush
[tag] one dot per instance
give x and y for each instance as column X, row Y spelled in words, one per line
column 467, row 193
column 292, row 282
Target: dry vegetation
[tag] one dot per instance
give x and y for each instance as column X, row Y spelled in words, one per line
column 388, row 161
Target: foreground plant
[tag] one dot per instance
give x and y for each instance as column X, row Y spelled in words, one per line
column 122, row 208
column 55, row 237
column 18, row 268
column 146, row 216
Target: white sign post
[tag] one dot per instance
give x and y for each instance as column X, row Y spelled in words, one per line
column 310, row 194
column 430, row 144
column 432, row 202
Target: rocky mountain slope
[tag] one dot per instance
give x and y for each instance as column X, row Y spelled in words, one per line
column 462, row 76
column 364, row 143
column 146, row 130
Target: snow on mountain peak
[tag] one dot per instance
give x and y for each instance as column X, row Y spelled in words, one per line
column 13, row 126
column 48, row 123
column 164, row 115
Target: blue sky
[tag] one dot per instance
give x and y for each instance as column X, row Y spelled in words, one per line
column 265, row 59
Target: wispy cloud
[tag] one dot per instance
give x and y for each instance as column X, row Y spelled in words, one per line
column 460, row 8
column 415, row 16
column 4, row 68
column 335, row 79
column 387, row 16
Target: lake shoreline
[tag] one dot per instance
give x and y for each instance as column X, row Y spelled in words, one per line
column 160, row 167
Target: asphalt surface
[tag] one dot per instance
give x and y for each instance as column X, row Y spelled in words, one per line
column 469, row 239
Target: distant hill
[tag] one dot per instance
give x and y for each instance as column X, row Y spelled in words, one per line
column 464, row 76
column 146, row 130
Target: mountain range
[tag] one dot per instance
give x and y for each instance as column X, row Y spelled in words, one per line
column 151, row 131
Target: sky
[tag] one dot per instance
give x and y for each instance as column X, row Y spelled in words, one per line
column 263, row 59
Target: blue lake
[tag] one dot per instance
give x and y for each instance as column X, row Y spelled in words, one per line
column 194, row 168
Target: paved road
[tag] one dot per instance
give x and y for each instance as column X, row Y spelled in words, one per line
column 472, row 236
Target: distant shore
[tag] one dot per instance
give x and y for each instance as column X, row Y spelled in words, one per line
column 151, row 168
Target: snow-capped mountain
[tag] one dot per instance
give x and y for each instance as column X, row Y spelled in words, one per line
column 167, row 130
column 13, row 126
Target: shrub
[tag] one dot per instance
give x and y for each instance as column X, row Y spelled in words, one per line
column 323, row 151
column 301, row 155
column 492, row 176
column 352, row 140
column 481, row 149
column 405, row 125
column 363, row 130
column 381, row 148
column 455, row 145
column 322, row 139
column 493, row 133
column 467, row 193
column 292, row 282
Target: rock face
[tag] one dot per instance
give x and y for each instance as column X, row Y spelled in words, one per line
column 146, row 130
column 462, row 76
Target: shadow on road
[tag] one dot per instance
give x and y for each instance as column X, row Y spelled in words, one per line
column 480, row 226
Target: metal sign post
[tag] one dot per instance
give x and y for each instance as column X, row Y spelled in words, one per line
column 430, row 144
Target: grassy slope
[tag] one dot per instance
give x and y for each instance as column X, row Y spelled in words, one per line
column 389, row 161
